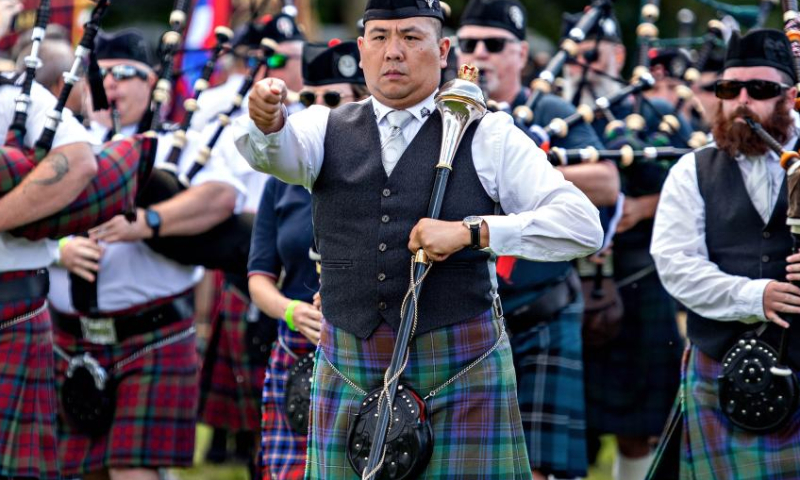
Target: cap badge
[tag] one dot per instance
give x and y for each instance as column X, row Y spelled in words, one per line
column 285, row 26
column 516, row 16
column 347, row 66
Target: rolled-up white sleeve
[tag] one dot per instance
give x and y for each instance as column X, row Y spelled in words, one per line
column 546, row 217
column 293, row 154
column 681, row 255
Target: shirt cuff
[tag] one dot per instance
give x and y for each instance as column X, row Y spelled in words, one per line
column 260, row 139
column 752, row 295
column 505, row 233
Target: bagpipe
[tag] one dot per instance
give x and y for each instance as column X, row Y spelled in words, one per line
column 391, row 436
column 623, row 157
column 568, row 48
column 225, row 246
column 791, row 26
column 122, row 165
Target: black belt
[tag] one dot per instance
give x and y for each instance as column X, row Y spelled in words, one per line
column 546, row 307
column 113, row 330
column 25, row 288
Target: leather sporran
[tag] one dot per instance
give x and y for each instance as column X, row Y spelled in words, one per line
column 602, row 313
column 750, row 394
column 88, row 396
column 297, row 403
column 409, row 442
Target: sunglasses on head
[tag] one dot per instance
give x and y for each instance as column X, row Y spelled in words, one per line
column 124, row 72
column 756, row 89
column 279, row 60
column 492, row 45
column 331, row 98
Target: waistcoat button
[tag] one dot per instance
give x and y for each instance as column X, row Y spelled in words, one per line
column 385, row 219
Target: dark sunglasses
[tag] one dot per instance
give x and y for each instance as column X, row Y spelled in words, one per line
column 331, row 98
column 124, row 72
column 493, row 45
column 756, row 89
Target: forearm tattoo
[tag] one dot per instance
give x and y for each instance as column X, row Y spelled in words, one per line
column 60, row 165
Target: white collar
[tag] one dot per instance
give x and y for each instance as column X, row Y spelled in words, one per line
column 420, row 110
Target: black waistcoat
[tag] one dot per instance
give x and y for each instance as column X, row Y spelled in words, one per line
column 740, row 244
column 362, row 222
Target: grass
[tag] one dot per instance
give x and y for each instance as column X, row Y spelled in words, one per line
column 201, row 471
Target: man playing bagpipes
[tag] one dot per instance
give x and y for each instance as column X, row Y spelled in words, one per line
column 542, row 301
column 368, row 165
column 631, row 377
column 721, row 244
column 126, row 366
column 27, row 404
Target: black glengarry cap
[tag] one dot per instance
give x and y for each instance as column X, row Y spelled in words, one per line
column 506, row 14
column 399, row 9
column 128, row 44
column 334, row 62
column 763, row 47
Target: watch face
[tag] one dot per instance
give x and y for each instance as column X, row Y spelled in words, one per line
column 473, row 220
column 153, row 219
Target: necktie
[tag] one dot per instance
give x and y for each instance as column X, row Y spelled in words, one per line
column 759, row 186
column 394, row 144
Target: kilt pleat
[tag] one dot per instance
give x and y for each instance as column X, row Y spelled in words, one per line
column 27, row 398
column 631, row 382
column 476, row 423
column 283, row 452
column 713, row 449
column 548, row 362
column 232, row 381
column 156, row 405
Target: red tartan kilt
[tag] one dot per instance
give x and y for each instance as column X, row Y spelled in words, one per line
column 230, row 385
column 110, row 193
column 28, row 447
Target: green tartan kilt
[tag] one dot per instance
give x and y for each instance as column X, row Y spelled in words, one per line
column 476, row 422
column 713, row 449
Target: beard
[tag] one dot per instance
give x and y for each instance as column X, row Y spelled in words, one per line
column 735, row 137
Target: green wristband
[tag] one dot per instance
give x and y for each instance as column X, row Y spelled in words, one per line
column 289, row 315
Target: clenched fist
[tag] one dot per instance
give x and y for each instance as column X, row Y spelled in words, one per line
column 265, row 104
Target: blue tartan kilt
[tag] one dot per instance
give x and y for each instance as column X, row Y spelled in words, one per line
column 631, row 382
column 714, row 449
column 547, row 359
column 476, row 425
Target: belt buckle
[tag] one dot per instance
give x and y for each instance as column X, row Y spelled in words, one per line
column 100, row 331
column 497, row 307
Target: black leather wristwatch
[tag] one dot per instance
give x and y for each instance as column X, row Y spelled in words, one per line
column 474, row 224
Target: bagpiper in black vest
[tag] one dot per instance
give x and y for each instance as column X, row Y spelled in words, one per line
column 740, row 244
column 362, row 221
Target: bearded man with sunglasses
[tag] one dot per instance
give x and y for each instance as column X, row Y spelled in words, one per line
column 542, row 301
column 722, row 248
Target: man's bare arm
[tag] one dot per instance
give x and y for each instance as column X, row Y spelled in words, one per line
column 197, row 210
column 58, row 179
column 599, row 181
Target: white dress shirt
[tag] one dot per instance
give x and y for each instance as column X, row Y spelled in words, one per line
column 680, row 252
column 216, row 100
column 130, row 273
column 548, row 219
column 19, row 253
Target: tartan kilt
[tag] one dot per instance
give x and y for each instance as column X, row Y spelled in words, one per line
column 712, row 448
column 28, row 446
column 231, row 381
column 156, row 405
column 631, row 382
column 477, row 433
column 547, row 359
column 111, row 192
column 283, row 452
